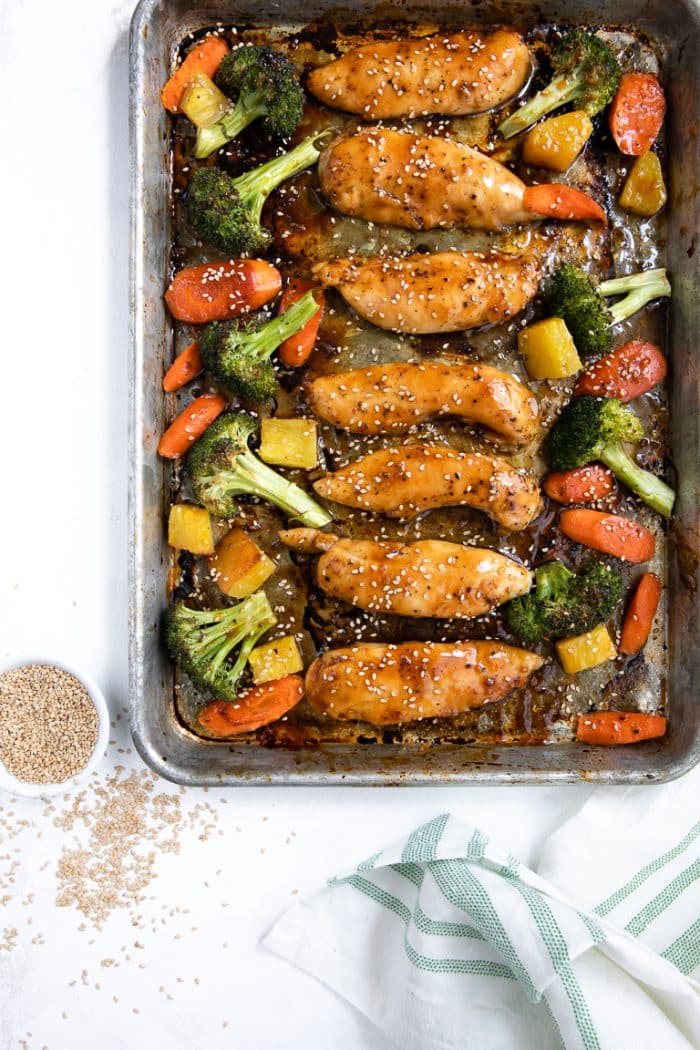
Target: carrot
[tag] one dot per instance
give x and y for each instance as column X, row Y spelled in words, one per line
column 639, row 618
column 619, row 727
column 217, row 291
column 552, row 200
column 628, row 372
column 190, row 425
column 204, row 58
column 186, row 366
column 608, row 533
column 297, row 349
column 254, row 707
column 637, row 113
column 582, row 485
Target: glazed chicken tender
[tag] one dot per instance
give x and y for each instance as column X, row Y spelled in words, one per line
column 393, row 684
column 404, row 482
column 439, row 292
column 393, row 397
column 422, row 182
column 425, row 578
column 452, row 75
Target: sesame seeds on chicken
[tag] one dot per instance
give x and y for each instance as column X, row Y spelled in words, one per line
column 462, row 73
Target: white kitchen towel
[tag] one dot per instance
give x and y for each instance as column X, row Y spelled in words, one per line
column 444, row 940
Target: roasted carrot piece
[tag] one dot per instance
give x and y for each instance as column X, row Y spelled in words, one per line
column 609, row 533
column 254, row 707
column 552, row 200
column 190, row 425
column 217, row 291
column 637, row 113
column 639, row 617
column 582, row 485
column 205, row 58
column 619, row 727
column 297, row 349
column 628, row 372
column 185, row 367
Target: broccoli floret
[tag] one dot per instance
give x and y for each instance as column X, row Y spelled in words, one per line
column 221, row 466
column 592, row 428
column 201, row 641
column 575, row 297
column 226, row 212
column 585, row 72
column 563, row 603
column 264, row 85
column 238, row 352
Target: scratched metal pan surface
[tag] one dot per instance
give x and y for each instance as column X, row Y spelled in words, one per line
column 498, row 753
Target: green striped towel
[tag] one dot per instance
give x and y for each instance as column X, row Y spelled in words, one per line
column 444, row 940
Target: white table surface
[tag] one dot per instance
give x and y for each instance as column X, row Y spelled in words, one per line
column 199, row 979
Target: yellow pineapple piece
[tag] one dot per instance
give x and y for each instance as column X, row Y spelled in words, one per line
column 586, row 650
column 238, row 566
column 289, row 442
column 555, row 143
column 275, row 659
column 548, row 350
column 189, row 529
column 644, row 192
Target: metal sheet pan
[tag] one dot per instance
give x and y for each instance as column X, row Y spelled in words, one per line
column 170, row 748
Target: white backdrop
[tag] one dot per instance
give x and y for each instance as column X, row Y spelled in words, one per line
column 191, row 977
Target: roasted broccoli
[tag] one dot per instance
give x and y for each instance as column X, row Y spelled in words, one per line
column 201, row 641
column 226, row 212
column 221, row 466
column 579, row 300
column 593, row 428
column 585, row 72
column 563, row 603
column 264, row 85
column 238, row 352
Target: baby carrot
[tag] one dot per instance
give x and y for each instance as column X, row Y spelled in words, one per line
column 628, row 372
column 295, row 350
column 582, row 485
column 185, row 367
column 609, row 533
column 204, row 58
column 619, row 727
column 217, row 291
column 555, row 201
column 637, row 113
column 254, row 707
column 190, row 425
column 639, row 618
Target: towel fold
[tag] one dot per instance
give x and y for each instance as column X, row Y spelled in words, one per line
column 445, row 940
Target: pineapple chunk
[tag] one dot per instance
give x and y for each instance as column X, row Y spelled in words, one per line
column 238, row 566
column 275, row 659
column 289, row 442
column 189, row 529
column 644, row 192
column 586, row 650
column 548, row 350
column 557, row 142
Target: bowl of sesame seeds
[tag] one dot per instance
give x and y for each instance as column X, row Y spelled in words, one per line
column 54, row 725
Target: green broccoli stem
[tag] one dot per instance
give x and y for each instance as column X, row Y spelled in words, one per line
column 255, row 478
column 265, row 341
column 638, row 289
column 655, row 493
column 563, row 89
column 255, row 186
column 247, row 109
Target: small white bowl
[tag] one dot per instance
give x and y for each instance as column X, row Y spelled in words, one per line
column 10, row 783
